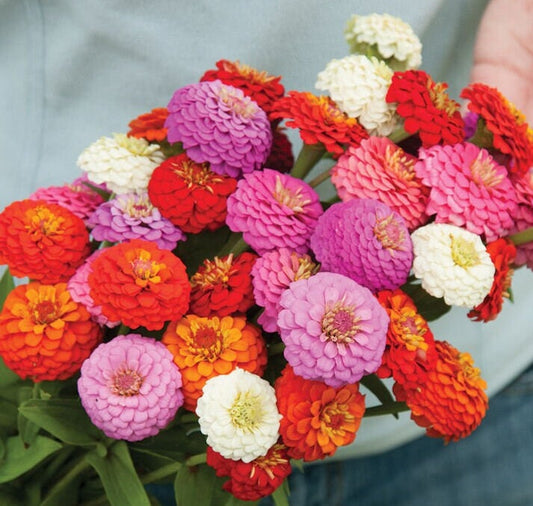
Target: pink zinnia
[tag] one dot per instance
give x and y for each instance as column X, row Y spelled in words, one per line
column 379, row 169
column 132, row 216
column 366, row 241
column 273, row 210
column 219, row 124
column 468, row 189
column 272, row 273
column 524, row 216
column 334, row 329
column 130, row 387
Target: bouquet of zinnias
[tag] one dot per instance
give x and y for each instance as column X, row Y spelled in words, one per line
column 189, row 310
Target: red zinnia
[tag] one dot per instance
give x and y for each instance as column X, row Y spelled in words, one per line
column 410, row 349
column 252, row 480
column 280, row 157
column 261, row 87
column 223, row 286
column 319, row 121
column 45, row 335
column 139, row 284
column 426, row 108
column 150, row 125
column 510, row 132
column 317, row 418
column 43, row 241
column 189, row 194
column 502, row 253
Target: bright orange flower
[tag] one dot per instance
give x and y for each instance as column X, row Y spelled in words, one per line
column 150, row 125
column 45, row 335
column 42, row 241
column 410, row 349
column 511, row 134
column 502, row 253
column 207, row 347
column 319, row 121
column 452, row 401
column 139, row 284
column 317, row 418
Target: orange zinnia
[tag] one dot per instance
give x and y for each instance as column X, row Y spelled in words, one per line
column 317, row 418
column 45, row 335
column 150, row 125
column 207, row 347
column 42, row 241
column 452, row 401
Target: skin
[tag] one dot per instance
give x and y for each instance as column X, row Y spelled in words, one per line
column 503, row 53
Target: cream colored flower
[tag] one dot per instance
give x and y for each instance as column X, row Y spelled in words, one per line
column 452, row 263
column 386, row 37
column 359, row 85
column 239, row 415
column 123, row 163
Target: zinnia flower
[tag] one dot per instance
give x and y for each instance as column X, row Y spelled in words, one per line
column 189, row 194
column 223, row 286
column 468, row 188
column 273, row 210
column 238, row 414
column 509, row 130
column 316, row 418
column 386, row 37
column 45, row 335
column 319, row 121
column 272, row 273
column 123, row 163
column 260, row 86
column 150, row 125
column 358, row 85
column 132, row 216
column 43, row 241
column 426, row 108
column 451, row 402
column 452, row 263
column 410, row 351
column 502, row 253
column 206, row 347
column 524, row 216
column 366, row 241
column 140, row 284
column 219, row 124
column 334, row 330
column 130, row 388
column 281, row 157
column 379, row 169
column 250, row 481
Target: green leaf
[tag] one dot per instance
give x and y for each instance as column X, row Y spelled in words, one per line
column 7, row 376
column 27, row 429
column 6, row 285
column 380, row 390
column 8, row 414
column 281, row 495
column 200, row 486
column 119, row 478
column 19, row 459
column 431, row 308
column 64, row 418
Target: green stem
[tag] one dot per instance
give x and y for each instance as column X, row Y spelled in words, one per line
column 161, row 473
column 235, row 244
column 522, row 237
column 399, row 135
column 320, row 178
column 276, row 349
column 392, row 408
column 200, row 458
column 308, row 157
column 73, row 472
column 188, row 417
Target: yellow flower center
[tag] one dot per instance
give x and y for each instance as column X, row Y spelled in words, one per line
column 334, row 417
column 136, row 146
column 126, row 382
column 242, row 106
column 215, row 272
column 389, row 232
column 440, row 98
column 195, row 174
column 271, row 460
column 484, row 172
column 138, row 207
column 145, row 269
column 294, row 200
column 306, row 268
column 398, row 163
column 411, row 329
column 463, row 251
column 45, row 311
column 246, row 412
column 470, row 372
column 339, row 324
column 42, row 222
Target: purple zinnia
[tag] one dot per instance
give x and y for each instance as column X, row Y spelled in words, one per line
column 219, row 124
column 130, row 387
column 334, row 329
column 274, row 210
column 132, row 216
column 366, row 241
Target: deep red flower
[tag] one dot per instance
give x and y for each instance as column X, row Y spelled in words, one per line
column 319, row 121
column 223, row 286
column 426, row 108
column 150, row 125
column 281, row 157
column 502, row 253
column 189, row 194
column 256, row 479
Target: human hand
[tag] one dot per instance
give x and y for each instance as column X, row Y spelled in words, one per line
column 503, row 53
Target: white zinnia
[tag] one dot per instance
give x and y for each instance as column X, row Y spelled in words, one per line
column 387, row 37
column 239, row 415
column 359, row 86
column 125, row 164
column 452, row 263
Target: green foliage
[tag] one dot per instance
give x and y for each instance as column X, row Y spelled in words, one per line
column 428, row 306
